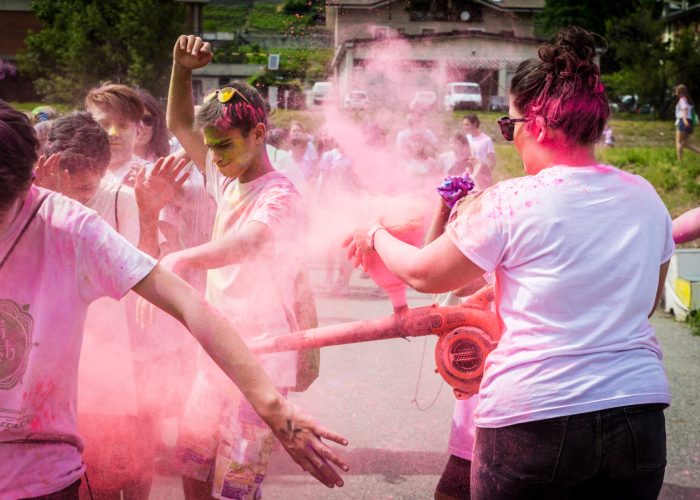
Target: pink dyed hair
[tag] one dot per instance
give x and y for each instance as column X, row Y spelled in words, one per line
column 564, row 86
column 236, row 113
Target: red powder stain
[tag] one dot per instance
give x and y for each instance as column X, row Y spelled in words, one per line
column 39, row 401
column 528, row 204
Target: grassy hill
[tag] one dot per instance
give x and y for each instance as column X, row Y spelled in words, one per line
column 273, row 16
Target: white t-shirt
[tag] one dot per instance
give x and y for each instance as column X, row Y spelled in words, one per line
column 120, row 212
column 608, row 137
column 106, row 383
column 289, row 168
column 481, row 146
column 191, row 214
column 67, row 258
column 275, row 154
column 405, row 136
column 576, row 253
column 311, row 154
column 257, row 295
column 446, row 160
column 682, row 105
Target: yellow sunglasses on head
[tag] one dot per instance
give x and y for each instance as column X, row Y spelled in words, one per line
column 225, row 94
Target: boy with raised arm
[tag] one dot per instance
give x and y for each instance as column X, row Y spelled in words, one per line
column 252, row 261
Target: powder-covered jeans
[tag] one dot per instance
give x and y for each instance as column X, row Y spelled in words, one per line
column 67, row 493
column 619, row 453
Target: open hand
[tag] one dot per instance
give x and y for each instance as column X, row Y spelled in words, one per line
column 155, row 190
column 192, row 52
column 301, row 436
column 50, row 176
column 359, row 251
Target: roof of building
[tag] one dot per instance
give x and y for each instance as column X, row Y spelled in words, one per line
column 513, row 5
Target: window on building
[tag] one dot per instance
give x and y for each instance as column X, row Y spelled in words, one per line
column 466, row 11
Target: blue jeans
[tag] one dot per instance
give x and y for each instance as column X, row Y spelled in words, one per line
column 619, row 453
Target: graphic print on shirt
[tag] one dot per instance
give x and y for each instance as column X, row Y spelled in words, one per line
column 16, row 326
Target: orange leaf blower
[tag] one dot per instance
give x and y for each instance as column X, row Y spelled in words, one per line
column 467, row 334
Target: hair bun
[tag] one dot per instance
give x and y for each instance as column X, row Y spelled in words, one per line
column 572, row 55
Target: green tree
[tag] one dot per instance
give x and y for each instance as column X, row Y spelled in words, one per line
column 85, row 42
column 684, row 61
column 594, row 15
column 589, row 14
column 650, row 65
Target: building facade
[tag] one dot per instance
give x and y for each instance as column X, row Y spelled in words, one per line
column 382, row 46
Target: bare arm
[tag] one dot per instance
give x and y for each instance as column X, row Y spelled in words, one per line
column 189, row 53
column 253, row 238
column 436, row 268
column 437, row 225
column 686, row 227
column 437, row 228
column 298, row 433
column 148, row 233
column 663, row 270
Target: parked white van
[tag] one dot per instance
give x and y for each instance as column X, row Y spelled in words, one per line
column 322, row 92
column 462, row 95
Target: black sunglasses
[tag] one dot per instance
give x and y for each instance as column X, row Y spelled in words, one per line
column 507, row 125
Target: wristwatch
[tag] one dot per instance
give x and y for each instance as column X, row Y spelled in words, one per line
column 370, row 234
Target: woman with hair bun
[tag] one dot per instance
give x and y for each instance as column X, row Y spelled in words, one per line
column 571, row 402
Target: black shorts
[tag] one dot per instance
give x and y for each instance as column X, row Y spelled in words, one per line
column 682, row 127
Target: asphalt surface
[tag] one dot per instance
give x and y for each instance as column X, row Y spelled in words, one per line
column 398, row 423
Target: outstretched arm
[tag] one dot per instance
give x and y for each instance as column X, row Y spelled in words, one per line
column 299, row 434
column 686, row 227
column 436, row 268
column 253, row 238
column 189, row 53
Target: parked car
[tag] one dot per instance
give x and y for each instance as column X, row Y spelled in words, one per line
column 322, row 92
column 498, row 103
column 356, row 99
column 631, row 104
column 423, row 100
column 462, row 95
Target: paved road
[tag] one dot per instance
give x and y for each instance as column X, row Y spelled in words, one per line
column 397, row 451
